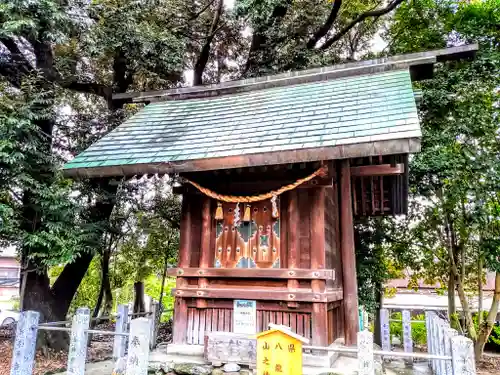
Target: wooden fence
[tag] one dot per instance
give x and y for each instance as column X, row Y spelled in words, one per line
column 133, row 337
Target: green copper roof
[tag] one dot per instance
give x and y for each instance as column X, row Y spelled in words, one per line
column 342, row 111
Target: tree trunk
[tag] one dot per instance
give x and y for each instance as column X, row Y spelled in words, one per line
column 452, row 308
column 163, row 278
column 105, row 288
column 486, row 328
column 53, row 303
column 479, row 291
column 139, row 297
column 469, row 323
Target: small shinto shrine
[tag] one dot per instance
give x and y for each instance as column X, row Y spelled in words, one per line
column 273, row 173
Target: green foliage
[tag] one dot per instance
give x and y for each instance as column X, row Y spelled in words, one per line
column 146, row 35
column 494, row 338
column 454, row 218
column 151, row 237
column 28, row 170
column 418, row 330
column 419, row 25
column 373, row 261
column 124, row 293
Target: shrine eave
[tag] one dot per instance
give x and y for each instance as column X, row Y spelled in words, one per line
column 410, row 144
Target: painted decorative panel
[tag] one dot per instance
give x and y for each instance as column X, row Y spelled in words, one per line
column 248, row 236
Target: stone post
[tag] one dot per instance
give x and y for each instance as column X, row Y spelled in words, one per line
column 428, row 317
column 449, row 334
column 23, row 354
column 121, row 326
column 443, row 330
column 434, row 340
column 365, row 353
column 462, row 352
column 78, row 345
column 439, row 345
column 155, row 320
column 385, row 330
column 138, row 347
column 407, row 339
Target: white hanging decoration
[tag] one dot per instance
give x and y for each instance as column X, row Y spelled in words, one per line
column 275, row 206
column 237, row 215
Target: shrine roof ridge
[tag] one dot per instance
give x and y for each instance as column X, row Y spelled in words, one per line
column 420, row 65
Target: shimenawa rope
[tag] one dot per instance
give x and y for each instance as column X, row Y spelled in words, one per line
column 256, row 198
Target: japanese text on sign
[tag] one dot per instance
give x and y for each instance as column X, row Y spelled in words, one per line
column 245, row 317
column 278, row 353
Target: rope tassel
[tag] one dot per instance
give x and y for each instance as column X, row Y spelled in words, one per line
column 246, row 216
column 219, row 214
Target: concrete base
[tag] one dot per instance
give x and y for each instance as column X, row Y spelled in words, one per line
column 181, row 353
column 178, row 353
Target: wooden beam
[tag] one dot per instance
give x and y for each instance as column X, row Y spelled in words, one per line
column 262, row 273
column 378, row 170
column 185, row 230
column 350, row 285
column 318, row 228
column 293, row 221
column 206, row 233
column 318, row 259
column 258, row 294
column 180, row 307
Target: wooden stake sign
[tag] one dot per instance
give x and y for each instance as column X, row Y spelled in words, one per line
column 279, row 351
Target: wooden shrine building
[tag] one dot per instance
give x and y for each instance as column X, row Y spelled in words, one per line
column 274, row 171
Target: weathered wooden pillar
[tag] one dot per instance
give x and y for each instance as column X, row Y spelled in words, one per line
column 292, row 231
column 350, row 284
column 206, row 231
column 180, row 310
column 318, row 260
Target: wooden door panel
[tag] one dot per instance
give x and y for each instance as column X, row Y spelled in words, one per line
column 250, row 244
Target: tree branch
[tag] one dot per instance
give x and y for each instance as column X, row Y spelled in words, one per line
column 358, row 19
column 13, row 66
column 88, row 88
column 202, row 10
column 202, row 60
column 259, row 37
column 17, row 56
column 323, row 30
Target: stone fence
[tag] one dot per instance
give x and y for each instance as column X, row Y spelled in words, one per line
column 133, row 337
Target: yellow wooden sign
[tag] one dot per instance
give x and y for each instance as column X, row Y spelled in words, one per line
column 279, row 352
